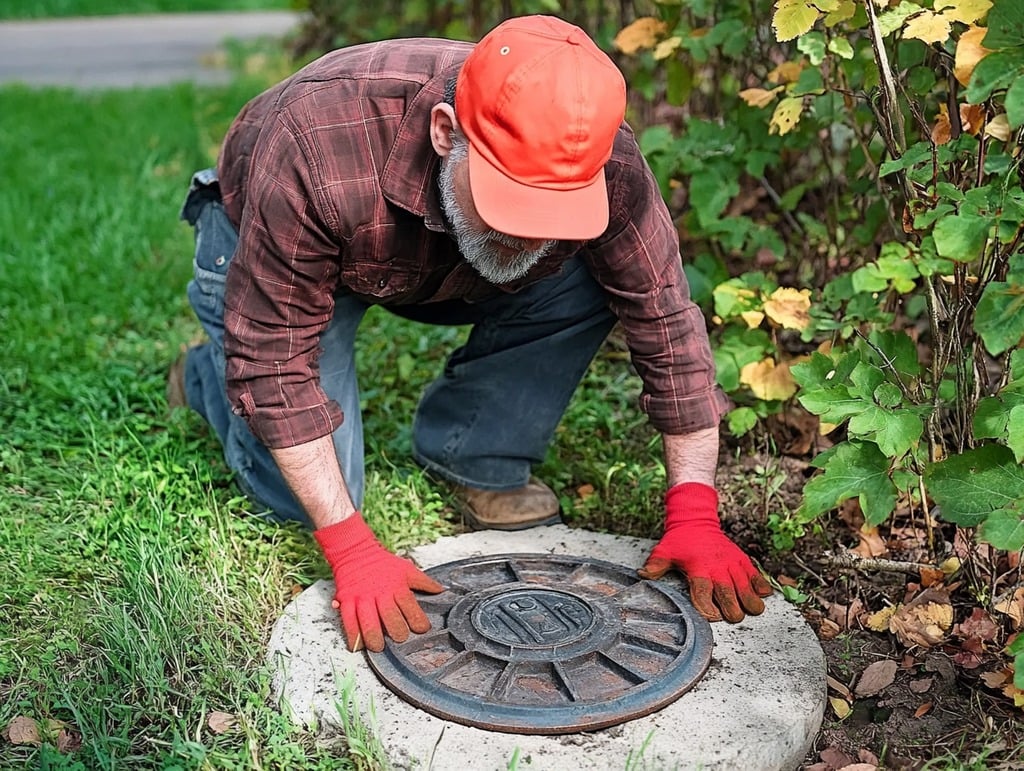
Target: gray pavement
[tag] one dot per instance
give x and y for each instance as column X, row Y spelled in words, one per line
column 129, row 51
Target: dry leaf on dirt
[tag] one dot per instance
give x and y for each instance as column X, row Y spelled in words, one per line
column 922, row 685
column 23, row 730
column 925, row 620
column 844, row 616
column 835, row 757
column 1013, row 607
column 860, row 767
column 841, row 707
column 839, row 688
column 923, row 710
column 871, row 543
column 221, row 722
column 68, row 741
column 979, row 624
column 876, row 678
column 879, row 621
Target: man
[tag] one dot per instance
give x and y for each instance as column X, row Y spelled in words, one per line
column 494, row 185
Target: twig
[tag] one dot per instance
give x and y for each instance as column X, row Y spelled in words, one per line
column 1008, row 594
column 847, row 559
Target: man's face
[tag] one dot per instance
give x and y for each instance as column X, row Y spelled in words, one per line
column 497, row 257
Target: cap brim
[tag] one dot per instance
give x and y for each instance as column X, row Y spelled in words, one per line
column 523, row 211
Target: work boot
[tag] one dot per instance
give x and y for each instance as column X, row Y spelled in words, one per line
column 532, row 505
column 176, row 383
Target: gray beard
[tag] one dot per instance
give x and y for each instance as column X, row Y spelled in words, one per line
column 478, row 248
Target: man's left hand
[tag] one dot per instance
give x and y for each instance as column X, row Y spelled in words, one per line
column 723, row 581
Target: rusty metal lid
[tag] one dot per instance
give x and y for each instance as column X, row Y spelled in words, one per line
column 547, row 644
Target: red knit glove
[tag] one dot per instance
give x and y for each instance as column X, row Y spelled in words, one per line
column 717, row 570
column 372, row 585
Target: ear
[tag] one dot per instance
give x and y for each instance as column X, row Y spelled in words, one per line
column 442, row 124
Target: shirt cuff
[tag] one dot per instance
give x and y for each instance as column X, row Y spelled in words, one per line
column 684, row 415
column 284, row 427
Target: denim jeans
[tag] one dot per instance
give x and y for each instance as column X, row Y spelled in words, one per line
column 483, row 423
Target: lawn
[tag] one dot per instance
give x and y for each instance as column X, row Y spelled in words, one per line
column 139, row 591
column 42, row 9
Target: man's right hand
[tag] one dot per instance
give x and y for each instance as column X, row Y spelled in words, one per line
column 372, row 585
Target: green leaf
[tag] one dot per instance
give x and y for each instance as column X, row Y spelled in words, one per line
column 899, row 351
column 841, row 47
column 741, row 420
column 813, row 45
column 990, row 419
column 864, row 379
column 1005, row 25
column 1015, row 103
column 793, row 18
column 852, row 470
column 678, row 81
column 1004, row 529
column 888, row 395
column 961, row 237
column 892, row 20
column 894, row 431
column 994, row 73
column 999, row 318
column 970, row 486
column 1015, row 432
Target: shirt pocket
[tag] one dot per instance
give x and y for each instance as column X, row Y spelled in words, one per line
column 380, row 263
column 216, row 240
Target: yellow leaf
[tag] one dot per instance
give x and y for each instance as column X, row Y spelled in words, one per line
column 841, row 707
column 666, row 48
column 845, row 9
column 642, row 33
column 789, row 307
column 759, row 97
column 787, row 72
column 768, row 381
column 998, row 127
column 753, row 318
column 928, row 27
column 969, row 51
column 949, row 566
column 793, row 18
column 879, row 622
column 972, row 118
column 964, row 11
column 786, row 115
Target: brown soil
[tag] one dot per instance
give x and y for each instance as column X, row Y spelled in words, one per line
column 937, row 712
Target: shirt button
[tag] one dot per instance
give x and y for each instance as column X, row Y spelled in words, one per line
column 383, row 282
column 220, row 261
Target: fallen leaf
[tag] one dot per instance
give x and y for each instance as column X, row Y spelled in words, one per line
column 997, row 678
column 841, row 707
column 844, row 615
column 925, row 620
column 931, row 576
column 221, row 722
column 979, row 624
column 923, row 710
column 1013, row 607
column 785, row 580
column 839, row 688
column 68, row 741
column 871, row 543
column 642, row 33
column 585, row 491
column 879, row 622
column 876, row 678
column 828, row 629
column 835, row 757
column 970, row 654
column 950, row 565
column 922, row 685
column 867, row 756
column 23, row 730
column 859, row 767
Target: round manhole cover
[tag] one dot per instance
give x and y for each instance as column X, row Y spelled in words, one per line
column 545, row 644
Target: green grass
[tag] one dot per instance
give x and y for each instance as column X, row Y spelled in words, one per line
column 138, row 591
column 42, row 9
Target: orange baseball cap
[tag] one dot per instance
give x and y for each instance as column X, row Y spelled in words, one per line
column 540, row 104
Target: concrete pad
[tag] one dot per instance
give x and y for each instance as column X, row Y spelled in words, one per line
column 758, row 707
column 128, row 51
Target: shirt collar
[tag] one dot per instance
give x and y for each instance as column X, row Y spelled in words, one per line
column 409, row 178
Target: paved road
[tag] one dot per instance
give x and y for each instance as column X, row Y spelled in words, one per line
column 126, row 51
